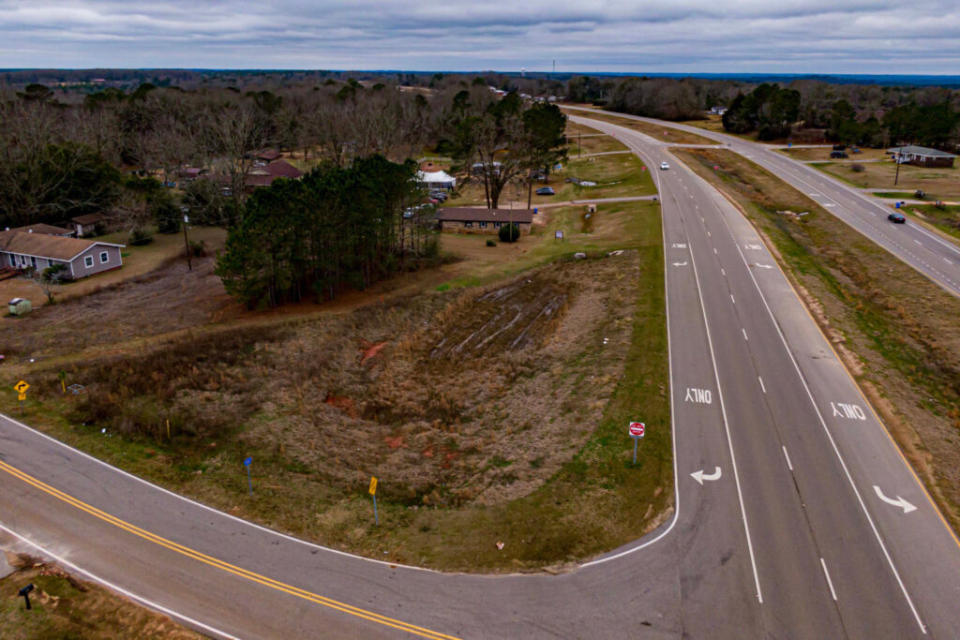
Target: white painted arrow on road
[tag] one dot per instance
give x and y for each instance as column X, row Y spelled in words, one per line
column 680, row 264
column 700, row 476
column 899, row 502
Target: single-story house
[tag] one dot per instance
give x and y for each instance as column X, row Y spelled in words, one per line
column 267, row 156
column 25, row 250
column 469, row 220
column 436, row 180
column 189, row 174
column 922, row 156
column 87, row 225
column 264, row 176
column 48, row 229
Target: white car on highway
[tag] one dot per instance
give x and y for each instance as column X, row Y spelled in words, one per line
column 664, row 166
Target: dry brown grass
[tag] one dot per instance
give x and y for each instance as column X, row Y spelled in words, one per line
column 937, row 182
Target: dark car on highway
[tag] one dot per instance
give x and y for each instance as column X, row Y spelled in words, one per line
column 546, row 191
column 899, row 218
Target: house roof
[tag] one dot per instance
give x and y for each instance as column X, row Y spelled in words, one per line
column 48, row 229
column 264, row 176
column 467, row 214
column 436, row 176
column 41, row 245
column 90, row 218
column 267, row 154
column 914, row 150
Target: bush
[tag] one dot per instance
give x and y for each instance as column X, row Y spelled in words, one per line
column 55, row 273
column 140, row 237
column 491, row 243
column 198, row 248
column 857, row 168
column 509, row 232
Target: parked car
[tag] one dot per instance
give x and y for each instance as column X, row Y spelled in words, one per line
column 664, row 166
column 546, row 191
column 897, row 218
column 838, row 154
column 439, row 195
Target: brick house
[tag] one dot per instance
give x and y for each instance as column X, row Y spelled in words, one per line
column 469, row 220
column 921, row 156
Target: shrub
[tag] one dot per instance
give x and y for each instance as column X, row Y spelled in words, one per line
column 198, row 248
column 509, row 232
column 140, row 237
column 857, row 168
column 491, row 243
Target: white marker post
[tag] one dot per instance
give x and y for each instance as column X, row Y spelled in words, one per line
column 636, row 431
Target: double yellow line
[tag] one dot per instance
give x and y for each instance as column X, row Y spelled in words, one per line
column 224, row 566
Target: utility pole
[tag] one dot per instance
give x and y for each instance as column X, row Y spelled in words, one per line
column 896, row 176
column 186, row 242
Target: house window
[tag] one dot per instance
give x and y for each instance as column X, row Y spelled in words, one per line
column 496, row 225
column 88, row 261
column 33, row 262
column 104, row 257
column 467, row 225
column 483, row 225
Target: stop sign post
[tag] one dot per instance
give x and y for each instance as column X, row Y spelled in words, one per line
column 636, row 431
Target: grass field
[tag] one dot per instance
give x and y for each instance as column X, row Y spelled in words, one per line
column 616, row 176
column 478, row 437
column 591, row 141
column 938, row 183
column 823, row 154
column 896, row 330
column 64, row 608
column 946, row 218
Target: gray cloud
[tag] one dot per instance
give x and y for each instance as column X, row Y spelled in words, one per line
column 815, row 36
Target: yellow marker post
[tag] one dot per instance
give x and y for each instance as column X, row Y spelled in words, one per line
column 373, row 492
column 21, row 389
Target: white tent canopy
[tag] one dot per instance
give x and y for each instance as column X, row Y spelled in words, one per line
column 437, row 179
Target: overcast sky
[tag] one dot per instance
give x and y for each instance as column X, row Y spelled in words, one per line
column 794, row 36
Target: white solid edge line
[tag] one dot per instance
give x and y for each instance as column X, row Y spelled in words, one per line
column 826, row 429
column 113, row 587
column 209, row 508
column 787, row 456
column 673, row 421
column 829, row 581
column 726, row 426
column 763, row 387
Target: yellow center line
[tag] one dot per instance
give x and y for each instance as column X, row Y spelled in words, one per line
column 220, row 564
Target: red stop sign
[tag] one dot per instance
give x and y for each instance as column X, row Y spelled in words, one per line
column 637, row 429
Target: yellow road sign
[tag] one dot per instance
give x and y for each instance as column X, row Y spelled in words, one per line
column 21, row 387
column 21, row 397
column 373, row 485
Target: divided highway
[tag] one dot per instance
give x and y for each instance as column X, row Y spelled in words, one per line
column 935, row 257
column 796, row 516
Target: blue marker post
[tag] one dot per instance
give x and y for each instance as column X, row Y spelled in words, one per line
column 247, row 464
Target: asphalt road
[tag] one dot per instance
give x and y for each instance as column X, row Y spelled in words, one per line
column 927, row 252
column 778, row 531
